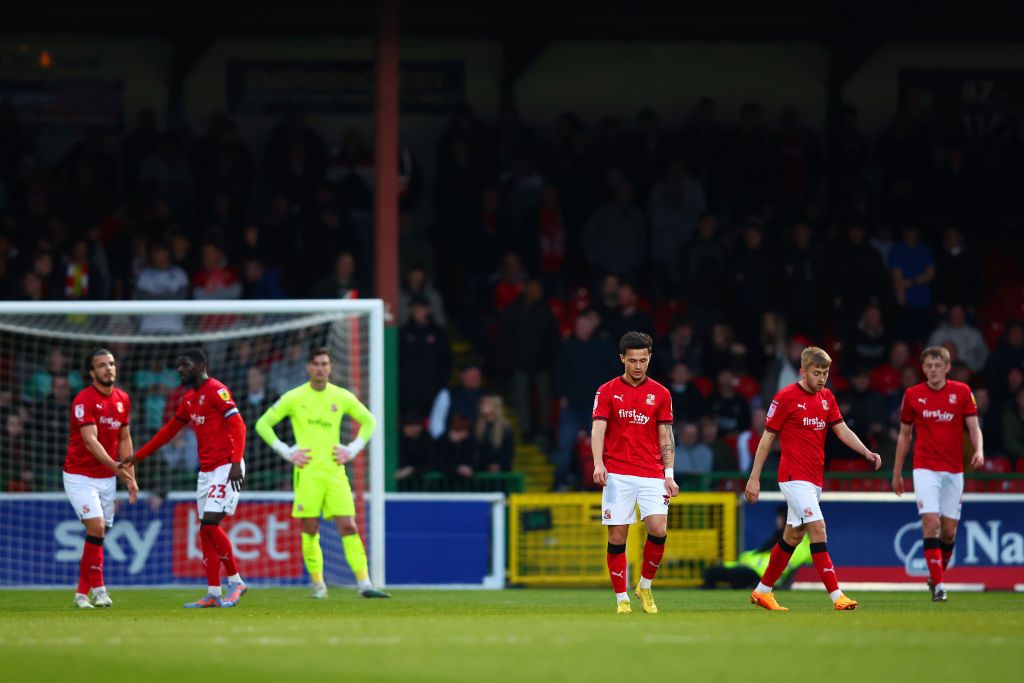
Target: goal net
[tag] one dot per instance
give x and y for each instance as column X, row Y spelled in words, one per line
column 259, row 349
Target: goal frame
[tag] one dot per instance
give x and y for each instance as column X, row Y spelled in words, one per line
column 376, row 388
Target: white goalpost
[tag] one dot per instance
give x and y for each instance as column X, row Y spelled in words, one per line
column 258, row 349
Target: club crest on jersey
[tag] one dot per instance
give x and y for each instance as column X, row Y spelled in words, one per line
column 824, row 404
column 607, row 514
column 334, row 407
column 202, row 399
column 650, row 399
column 79, row 411
column 299, row 507
column 120, row 407
column 224, row 394
column 952, row 399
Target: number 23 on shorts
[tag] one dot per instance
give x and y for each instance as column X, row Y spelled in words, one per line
column 217, row 491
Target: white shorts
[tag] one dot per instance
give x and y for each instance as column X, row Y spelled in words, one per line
column 624, row 492
column 802, row 499
column 939, row 492
column 91, row 497
column 214, row 492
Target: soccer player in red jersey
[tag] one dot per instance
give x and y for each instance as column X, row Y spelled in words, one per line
column 220, row 432
column 799, row 415
column 99, row 430
column 937, row 410
column 634, row 450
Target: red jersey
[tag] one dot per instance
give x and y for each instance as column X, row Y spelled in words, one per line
column 109, row 414
column 938, row 417
column 802, row 419
column 207, row 409
column 633, row 415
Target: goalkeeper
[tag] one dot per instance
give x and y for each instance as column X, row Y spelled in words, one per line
column 316, row 409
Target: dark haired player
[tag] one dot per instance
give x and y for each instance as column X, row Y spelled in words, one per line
column 634, row 451
column 220, row 431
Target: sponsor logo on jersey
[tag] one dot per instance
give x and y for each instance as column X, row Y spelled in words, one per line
column 802, row 406
column 79, row 411
column 224, row 394
column 99, row 406
column 815, row 422
column 952, row 399
column 923, row 401
column 937, row 415
column 616, row 397
column 650, row 399
column 319, row 422
column 634, row 417
column 110, row 422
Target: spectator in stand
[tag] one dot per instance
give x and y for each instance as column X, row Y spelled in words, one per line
column 255, row 401
column 730, row 411
column 161, row 281
column 674, row 206
column 288, row 372
column 629, row 318
column 531, row 332
column 40, row 383
column 16, row 453
column 857, row 280
column 611, row 226
column 649, row 152
column 1013, row 428
column 458, row 454
column 913, row 269
column 989, row 420
column 770, row 345
column 803, row 282
column 260, row 281
column 724, row 353
column 584, row 363
column 295, row 161
column 462, row 400
column 870, row 343
column 416, row 283
column 783, row 371
column 692, row 456
column 416, row 454
column 704, row 145
column 687, row 401
column 704, row 271
column 52, row 286
column 748, row 162
column 215, row 279
column 494, row 437
column 425, row 360
column 1008, row 354
column 153, row 384
column 970, row 345
column 508, row 283
column 724, row 457
column 47, row 429
column 551, row 232
column 680, row 345
column 746, row 443
column 607, row 305
column 958, row 276
column 885, row 379
column 754, row 279
column 343, row 284
column 796, row 161
column 864, row 411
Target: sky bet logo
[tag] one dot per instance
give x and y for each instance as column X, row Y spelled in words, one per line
column 816, row 422
column 634, row 417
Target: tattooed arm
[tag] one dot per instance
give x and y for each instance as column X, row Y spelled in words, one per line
column 667, row 443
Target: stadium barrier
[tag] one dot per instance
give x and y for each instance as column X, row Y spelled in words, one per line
column 875, row 541
column 557, row 539
column 437, row 540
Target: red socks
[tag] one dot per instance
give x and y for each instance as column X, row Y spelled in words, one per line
column 617, row 566
column 654, row 550
column 211, row 560
column 777, row 563
column 90, row 568
column 225, row 551
column 823, row 563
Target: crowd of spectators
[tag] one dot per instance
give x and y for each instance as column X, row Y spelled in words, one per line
column 734, row 243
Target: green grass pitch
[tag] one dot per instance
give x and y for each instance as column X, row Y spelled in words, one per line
column 512, row 635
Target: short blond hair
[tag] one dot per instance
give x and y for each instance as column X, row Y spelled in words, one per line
column 940, row 352
column 814, row 356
